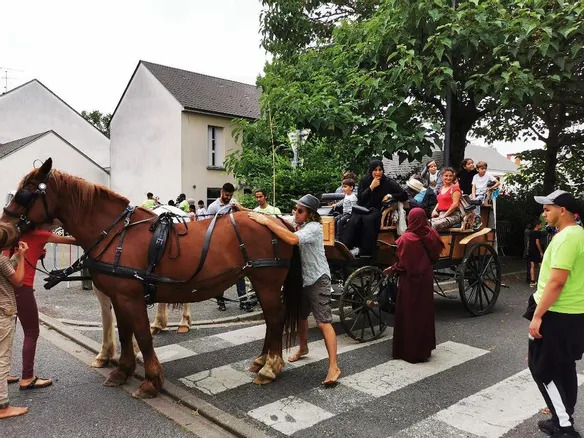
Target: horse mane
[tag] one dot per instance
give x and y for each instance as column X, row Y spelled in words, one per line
column 83, row 193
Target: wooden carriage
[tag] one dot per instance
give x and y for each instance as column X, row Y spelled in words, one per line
column 469, row 261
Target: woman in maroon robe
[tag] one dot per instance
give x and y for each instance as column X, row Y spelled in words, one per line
column 414, row 336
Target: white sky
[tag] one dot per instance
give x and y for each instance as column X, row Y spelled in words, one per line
column 86, row 52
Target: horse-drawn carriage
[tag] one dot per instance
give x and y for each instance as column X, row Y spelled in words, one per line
column 468, row 260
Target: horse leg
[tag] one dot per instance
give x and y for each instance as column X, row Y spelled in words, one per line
column 160, row 320
column 108, row 343
column 185, row 322
column 153, row 376
column 271, row 357
column 127, row 361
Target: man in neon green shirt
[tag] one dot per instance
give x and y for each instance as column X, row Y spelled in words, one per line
column 556, row 331
column 263, row 206
column 150, row 202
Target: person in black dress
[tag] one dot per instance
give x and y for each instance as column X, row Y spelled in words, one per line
column 535, row 251
column 465, row 175
column 362, row 229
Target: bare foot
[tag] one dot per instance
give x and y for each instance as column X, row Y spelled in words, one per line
column 300, row 353
column 332, row 376
column 12, row 411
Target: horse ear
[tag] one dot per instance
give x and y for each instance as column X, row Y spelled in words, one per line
column 47, row 165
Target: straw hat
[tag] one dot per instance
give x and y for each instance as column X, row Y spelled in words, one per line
column 415, row 185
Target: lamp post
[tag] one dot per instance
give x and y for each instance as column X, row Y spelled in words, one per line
column 297, row 139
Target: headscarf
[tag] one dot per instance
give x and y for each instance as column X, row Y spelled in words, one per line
column 372, row 166
column 418, row 225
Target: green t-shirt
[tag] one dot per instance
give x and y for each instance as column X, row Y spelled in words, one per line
column 566, row 251
column 149, row 203
column 270, row 209
column 184, row 206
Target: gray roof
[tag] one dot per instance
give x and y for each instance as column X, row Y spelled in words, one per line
column 198, row 92
column 498, row 164
column 12, row 146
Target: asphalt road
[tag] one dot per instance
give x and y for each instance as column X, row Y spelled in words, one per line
column 474, row 385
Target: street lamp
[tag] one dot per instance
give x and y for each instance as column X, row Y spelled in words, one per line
column 297, row 139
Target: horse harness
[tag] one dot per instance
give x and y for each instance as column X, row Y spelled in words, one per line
column 161, row 228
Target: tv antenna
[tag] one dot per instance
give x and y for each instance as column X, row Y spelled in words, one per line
column 4, row 73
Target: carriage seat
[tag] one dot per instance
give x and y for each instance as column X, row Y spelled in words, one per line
column 460, row 230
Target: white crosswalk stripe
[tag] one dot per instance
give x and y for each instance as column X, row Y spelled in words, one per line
column 223, row 378
column 489, row 413
column 288, row 415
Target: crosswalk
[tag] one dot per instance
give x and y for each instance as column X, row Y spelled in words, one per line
column 294, row 407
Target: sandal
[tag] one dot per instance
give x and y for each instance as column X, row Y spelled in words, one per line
column 35, row 385
column 12, row 379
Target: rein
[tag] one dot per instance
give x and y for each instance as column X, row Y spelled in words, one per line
column 161, row 228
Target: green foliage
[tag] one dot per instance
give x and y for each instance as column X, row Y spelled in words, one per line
column 252, row 165
column 541, row 87
column 99, row 120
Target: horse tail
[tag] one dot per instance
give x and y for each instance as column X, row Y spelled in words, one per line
column 292, row 297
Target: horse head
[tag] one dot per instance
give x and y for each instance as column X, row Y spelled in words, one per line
column 30, row 206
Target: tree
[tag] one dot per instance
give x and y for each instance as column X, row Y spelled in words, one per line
column 542, row 90
column 99, row 120
column 378, row 81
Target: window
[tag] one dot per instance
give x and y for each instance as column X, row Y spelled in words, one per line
column 212, row 194
column 215, row 143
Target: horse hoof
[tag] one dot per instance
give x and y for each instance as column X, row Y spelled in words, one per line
column 116, row 378
column 262, row 380
column 100, row 363
column 254, row 368
column 155, row 330
column 183, row 329
column 145, row 390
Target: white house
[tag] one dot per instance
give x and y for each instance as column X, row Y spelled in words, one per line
column 171, row 131
column 17, row 158
column 32, row 109
column 36, row 124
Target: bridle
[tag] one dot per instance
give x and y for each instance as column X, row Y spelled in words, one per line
column 26, row 198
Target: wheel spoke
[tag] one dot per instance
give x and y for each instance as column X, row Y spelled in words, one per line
column 370, row 323
column 355, row 321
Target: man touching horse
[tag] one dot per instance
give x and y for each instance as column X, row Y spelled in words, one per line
column 316, row 277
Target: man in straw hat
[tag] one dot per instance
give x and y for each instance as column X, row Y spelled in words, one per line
column 420, row 196
column 556, row 312
column 9, row 277
column 316, row 277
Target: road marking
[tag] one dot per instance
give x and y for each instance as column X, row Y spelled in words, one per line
column 390, row 376
column 292, row 414
column 225, row 377
column 489, row 413
column 172, row 352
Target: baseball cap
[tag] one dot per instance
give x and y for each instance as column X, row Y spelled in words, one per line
column 560, row 198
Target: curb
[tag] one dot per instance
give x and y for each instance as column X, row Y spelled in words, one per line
column 221, row 418
column 258, row 314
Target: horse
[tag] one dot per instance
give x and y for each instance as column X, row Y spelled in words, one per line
column 222, row 250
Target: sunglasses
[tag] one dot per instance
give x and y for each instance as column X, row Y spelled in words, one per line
column 299, row 210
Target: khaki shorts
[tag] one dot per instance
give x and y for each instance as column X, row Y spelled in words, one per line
column 317, row 298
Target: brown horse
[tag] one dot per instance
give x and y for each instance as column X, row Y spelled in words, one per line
column 86, row 210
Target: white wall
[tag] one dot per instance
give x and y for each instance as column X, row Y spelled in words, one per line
column 32, row 109
column 195, row 154
column 19, row 163
column 145, row 135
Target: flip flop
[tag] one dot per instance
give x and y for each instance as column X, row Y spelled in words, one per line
column 35, row 385
column 12, row 379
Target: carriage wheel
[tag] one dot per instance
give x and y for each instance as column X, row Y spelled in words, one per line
column 358, row 308
column 479, row 279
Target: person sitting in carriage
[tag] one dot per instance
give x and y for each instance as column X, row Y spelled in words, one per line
column 420, row 196
column 346, row 205
column 362, row 229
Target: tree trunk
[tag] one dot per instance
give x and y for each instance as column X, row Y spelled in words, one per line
column 457, row 146
column 551, row 163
